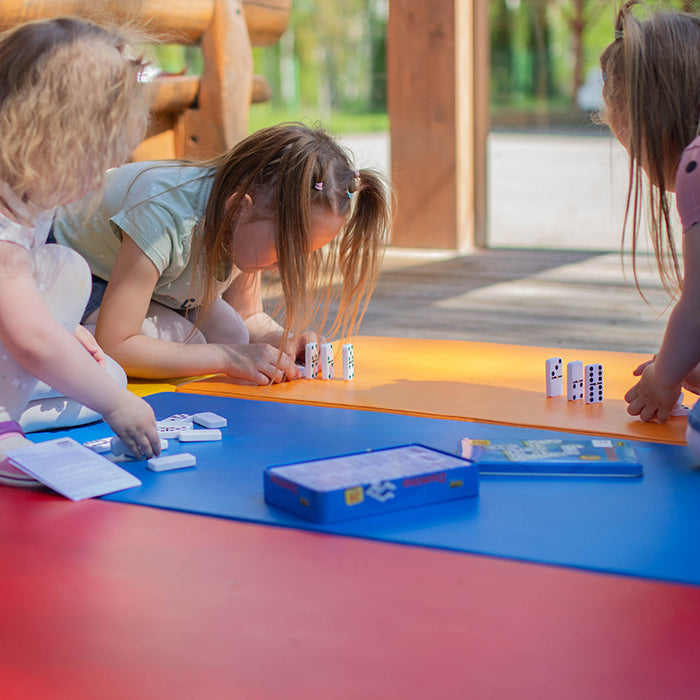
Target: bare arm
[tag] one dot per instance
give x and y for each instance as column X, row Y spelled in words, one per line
column 49, row 352
column 245, row 296
column 657, row 391
column 123, row 311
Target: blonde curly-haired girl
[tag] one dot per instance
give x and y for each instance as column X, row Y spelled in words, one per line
column 71, row 106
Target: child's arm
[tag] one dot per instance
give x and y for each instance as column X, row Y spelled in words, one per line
column 244, row 294
column 49, row 352
column 657, row 391
column 121, row 316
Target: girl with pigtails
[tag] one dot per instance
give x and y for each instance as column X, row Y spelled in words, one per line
column 652, row 104
column 177, row 251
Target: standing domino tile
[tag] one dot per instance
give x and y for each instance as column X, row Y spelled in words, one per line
column 119, row 447
column 594, row 383
column 178, row 461
column 327, row 361
column 574, row 381
column 554, row 378
column 209, row 420
column 207, row 435
column 348, row 362
column 311, row 358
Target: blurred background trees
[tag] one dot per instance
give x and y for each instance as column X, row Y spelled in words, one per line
column 331, row 63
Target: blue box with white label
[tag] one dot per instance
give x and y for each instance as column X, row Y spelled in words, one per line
column 370, row 483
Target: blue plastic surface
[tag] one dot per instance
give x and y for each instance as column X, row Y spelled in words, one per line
column 647, row 527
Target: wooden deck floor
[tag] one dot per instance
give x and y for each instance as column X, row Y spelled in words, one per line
column 529, row 297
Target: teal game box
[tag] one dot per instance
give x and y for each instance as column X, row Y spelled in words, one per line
column 590, row 457
column 370, row 483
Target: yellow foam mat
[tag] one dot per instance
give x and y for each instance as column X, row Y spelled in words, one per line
column 146, row 387
column 485, row 382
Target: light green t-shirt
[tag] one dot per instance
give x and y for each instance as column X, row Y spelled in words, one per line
column 159, row 206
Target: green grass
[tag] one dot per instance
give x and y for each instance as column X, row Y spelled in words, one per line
column 263, row 115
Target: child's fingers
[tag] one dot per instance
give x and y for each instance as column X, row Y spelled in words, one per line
column 640, row 369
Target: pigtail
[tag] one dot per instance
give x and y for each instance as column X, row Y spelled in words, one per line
column 361, row 249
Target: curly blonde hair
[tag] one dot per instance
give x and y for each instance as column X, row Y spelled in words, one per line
column 71, row 106
column 652, row 96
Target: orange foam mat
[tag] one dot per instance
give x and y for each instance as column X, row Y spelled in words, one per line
column 485, row 382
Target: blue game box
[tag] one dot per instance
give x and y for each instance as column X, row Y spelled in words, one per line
column 370, row 483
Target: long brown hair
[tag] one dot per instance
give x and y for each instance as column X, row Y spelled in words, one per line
column 652, row 91
column 291, row 168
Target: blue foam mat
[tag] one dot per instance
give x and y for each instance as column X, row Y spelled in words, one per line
column 647, row 527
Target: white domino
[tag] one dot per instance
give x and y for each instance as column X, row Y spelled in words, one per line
column 206, row 435
column 209, row 420
column 168, row 431
column 311, row 360
column 169, row 427
column 348, row 362
column 327, row 361
column 101, row 445
column 554, row 377
column 170, row 462
column 574, row 381
column 119, row 447
column 593, row 383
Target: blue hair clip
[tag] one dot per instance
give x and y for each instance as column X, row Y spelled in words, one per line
column 349, row 194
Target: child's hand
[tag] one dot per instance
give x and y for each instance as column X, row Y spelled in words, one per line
column 297, row 349
column 692, row 381
column 257, row 363
column 87, row 340
column 649, row 399
column 133, row 421
column 638, row 370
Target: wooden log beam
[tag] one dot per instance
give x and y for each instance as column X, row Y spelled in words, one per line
column 225, row 89
column 180, row 21
column 438, row 75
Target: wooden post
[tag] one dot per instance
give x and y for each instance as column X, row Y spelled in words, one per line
column 438, row 92
column 221, row 117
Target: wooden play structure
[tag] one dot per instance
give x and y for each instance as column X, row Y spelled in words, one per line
column 193, row 117
column 438, row 88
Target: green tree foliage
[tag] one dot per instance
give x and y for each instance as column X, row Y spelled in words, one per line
column 544, row 49
column 332, row 57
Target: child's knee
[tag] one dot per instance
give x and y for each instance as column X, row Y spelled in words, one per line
column 61, row 272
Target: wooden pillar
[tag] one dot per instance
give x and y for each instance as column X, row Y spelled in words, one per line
column 438, row 93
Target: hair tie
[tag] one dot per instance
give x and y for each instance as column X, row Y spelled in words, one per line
column 619, row 34
column 356, row 173
column 349, row 194
column 318, row 186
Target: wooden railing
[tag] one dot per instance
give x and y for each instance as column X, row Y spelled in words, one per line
column 193, row 117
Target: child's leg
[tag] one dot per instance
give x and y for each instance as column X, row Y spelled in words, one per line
column 162, row 323
column 223, row 324
column 63, row 279
column 49, row 409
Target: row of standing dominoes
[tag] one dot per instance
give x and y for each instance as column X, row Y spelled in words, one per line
column 581, row 382
column 326, row 361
